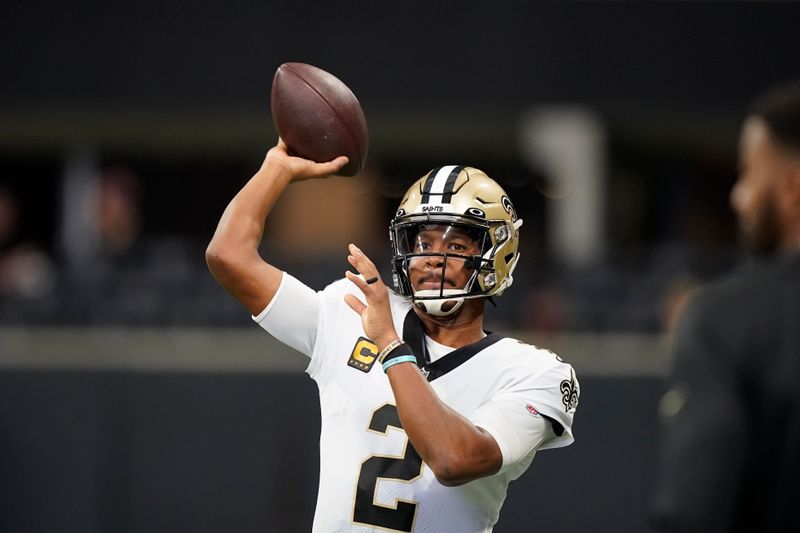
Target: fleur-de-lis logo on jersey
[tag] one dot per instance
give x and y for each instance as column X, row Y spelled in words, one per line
column 570, row 392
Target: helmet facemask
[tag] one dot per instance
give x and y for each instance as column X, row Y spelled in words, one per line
column 443, row 259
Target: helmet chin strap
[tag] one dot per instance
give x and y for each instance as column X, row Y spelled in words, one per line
column 434, row 307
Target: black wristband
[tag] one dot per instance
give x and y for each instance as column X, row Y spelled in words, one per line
column 399, row 351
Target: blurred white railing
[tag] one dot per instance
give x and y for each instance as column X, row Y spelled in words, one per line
column 253, row 350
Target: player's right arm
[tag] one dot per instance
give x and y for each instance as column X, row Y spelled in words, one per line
column 232, row 255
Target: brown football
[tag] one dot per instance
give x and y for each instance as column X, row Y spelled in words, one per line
column 318, row 116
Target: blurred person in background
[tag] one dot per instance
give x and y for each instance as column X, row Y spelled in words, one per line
column 105, row 258
column 26, row 271
column 731, row 451
column 430, row 439
column 118, row 274
column 119, row 216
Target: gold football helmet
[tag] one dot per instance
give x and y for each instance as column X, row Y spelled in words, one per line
column 477, row 232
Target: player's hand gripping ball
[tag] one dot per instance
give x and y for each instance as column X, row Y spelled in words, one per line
column 318, row 116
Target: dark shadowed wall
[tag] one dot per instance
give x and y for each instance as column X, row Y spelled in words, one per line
column 92, row 451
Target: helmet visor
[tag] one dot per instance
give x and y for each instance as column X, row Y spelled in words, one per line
column 439, row 238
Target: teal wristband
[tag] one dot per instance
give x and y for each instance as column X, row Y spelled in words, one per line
column 398, row 360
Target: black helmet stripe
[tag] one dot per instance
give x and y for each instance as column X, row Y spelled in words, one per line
column 440, row 184
column 426, row 187
column 450, row 184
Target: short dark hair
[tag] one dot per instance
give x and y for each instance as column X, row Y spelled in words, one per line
column 779, row 107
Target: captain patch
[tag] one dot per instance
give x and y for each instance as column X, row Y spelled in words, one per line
column 364, row 354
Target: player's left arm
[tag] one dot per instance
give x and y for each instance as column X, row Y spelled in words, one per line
column 456, row 450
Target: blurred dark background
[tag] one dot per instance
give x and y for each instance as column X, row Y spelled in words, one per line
column 125, row 128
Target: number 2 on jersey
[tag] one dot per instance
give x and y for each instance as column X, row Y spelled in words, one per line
column 406, row 468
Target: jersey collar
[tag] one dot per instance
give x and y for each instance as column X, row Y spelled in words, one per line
column 414, row 336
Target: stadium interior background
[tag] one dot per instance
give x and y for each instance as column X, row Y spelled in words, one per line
column 135, row 395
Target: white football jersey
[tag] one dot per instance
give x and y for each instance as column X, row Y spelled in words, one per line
column 371, row 477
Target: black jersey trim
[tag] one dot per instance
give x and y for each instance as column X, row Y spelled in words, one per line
column 558, row 429
column 414, row 336
column 456, row 358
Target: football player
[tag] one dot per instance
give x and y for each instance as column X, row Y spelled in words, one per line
column 426, row 418
column 730, row 454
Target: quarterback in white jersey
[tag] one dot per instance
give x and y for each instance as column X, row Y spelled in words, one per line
column 426, row 418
